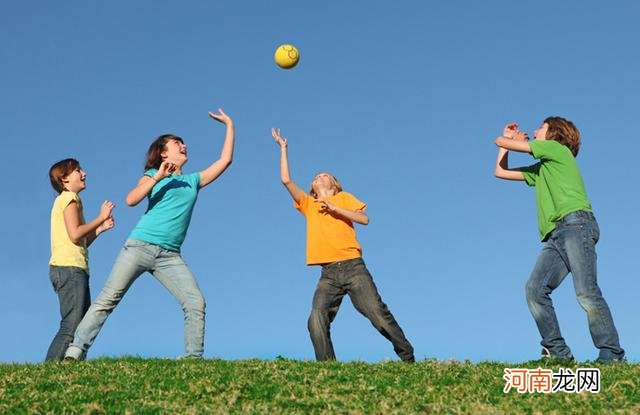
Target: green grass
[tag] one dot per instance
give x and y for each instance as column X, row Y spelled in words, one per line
column 132, row 385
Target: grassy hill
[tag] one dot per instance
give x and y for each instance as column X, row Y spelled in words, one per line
column 132, row 385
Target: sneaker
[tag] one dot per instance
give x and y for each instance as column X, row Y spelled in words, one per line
column 546, row 355
column 622, row 359
column 74, row 353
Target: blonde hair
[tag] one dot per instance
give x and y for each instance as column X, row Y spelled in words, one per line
column 564, row 132
column 335, row 184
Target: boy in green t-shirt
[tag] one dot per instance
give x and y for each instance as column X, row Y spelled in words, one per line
column 568, row 230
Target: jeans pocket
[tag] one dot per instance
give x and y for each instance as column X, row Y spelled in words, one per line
column 134, row 243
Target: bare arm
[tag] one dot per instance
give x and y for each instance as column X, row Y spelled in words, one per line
column 511, row 139
column 502, row 170
column 146, row 183
column 212, row 172
column 294, row 190
column 357, row 216
column 77, row 230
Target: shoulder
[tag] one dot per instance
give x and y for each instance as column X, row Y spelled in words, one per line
column 150, row 172
column 549, row 149
column 66, row 197
column 349, row 200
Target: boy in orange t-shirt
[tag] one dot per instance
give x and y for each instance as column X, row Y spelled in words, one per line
column 332, row 244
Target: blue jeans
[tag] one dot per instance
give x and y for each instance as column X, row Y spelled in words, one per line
column 351, row 277
column 72, row 286
column 571, row 248
column 166, row 266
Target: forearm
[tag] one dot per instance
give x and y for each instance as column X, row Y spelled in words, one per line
column 226, row 157
column 285, row 176
column 88, row 230
column 141, row 190
column 502, row 170
column 354, row 216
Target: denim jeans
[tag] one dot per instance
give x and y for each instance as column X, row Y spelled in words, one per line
column 351, row 277
column 72, row 286
column 571, row 248
column 166, row 266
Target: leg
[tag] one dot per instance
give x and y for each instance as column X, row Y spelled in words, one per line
column 72, row 286
column 366, row 299
column 134, row 259
column 550, row 270
column 326, row 302
column 173, row 273
column 579, row 242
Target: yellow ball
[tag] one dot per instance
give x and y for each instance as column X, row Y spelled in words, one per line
column 286, row 56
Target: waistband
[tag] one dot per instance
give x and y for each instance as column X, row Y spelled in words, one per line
column 577, row 215
column 342, row 263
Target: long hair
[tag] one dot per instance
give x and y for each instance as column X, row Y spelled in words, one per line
column 337, row 186
column 564, row 132
column 154, row 155
column 59, row 171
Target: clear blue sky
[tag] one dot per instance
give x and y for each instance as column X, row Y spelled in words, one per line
column 401, row 101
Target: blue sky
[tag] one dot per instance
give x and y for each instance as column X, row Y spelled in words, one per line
column 402, row 102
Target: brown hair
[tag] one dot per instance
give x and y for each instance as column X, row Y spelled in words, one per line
column 154, row 157
column 564, row 132
column 60, row 170
column 334, row 181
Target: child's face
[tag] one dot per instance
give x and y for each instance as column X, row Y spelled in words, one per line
column 75, row 181
column 175, row 152
column 322, row 181
column 541, row 133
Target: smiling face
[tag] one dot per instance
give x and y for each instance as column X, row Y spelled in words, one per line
column 175, row 151
column 325, row 183
column 75, row 181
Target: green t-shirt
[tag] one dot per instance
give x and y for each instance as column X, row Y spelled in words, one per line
column 559, row 186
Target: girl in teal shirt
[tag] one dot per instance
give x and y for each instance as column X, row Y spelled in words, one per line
column 154, row 244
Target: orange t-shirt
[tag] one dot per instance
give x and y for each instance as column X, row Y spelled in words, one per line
column 330, row 238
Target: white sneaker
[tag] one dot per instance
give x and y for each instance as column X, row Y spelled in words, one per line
column 74, row 353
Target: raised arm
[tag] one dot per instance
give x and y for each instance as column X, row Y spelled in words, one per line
column 226, row 156
column 511, row 139
column 294, row 190
column 78, row 231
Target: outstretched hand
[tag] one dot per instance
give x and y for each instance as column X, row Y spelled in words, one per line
column 221, row 117
column 105, row 210
column 282, row 142
column 510, row 130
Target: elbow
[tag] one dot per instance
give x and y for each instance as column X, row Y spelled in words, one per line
column 130, row 201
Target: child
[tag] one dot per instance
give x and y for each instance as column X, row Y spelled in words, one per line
column 332, row 244
column 154, row 244
column 70, row 238
column 568, row 230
